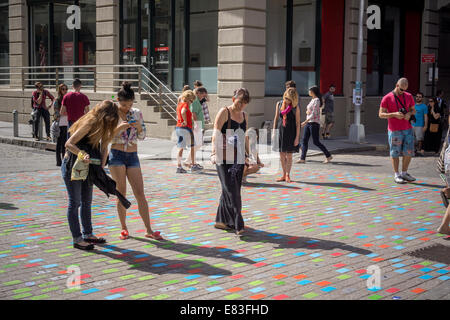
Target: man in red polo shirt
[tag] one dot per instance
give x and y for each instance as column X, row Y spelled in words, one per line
column 398, row 106
column 75, row 104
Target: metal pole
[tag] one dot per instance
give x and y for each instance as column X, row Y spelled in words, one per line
column 357, row 130
column 15, row 123
column 359, row 59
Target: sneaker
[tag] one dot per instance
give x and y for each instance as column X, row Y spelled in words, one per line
column 181, row 170
column 408, row 177
column 196, row 168
column 400, row 180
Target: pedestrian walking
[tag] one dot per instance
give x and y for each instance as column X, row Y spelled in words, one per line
column 420, row 124
column 124, row 161
column 62, row 123
column 398, row 106
column 288, row 123
column 184, row 130
column 229, row 129
column 328, row 112
column 433, row 134
column 254, row 163
column 41, row 109
column 198, row 124
column 312, row 126
column 89, row 140
column 75, row 104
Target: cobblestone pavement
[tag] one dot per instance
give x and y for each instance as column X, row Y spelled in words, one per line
column 313, row 239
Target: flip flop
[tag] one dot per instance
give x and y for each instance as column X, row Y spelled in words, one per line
column 155, row 236
column 124, row 235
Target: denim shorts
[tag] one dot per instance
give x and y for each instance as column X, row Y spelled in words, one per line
column 401, row 143
column 185, row 137
column 119, row 158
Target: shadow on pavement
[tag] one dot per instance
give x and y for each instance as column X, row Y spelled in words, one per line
column 428, row 185
column 292, row 242
column 146, row 262
column 269, row 185
column 337, row 185
column 7, row 206
column 213, row 252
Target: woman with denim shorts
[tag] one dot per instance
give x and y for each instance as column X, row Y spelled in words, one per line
column 124, row 162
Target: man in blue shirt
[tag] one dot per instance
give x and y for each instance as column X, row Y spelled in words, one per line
column 421, row 123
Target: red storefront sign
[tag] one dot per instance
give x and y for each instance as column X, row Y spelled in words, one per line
column 429, row 58
column 162, row 49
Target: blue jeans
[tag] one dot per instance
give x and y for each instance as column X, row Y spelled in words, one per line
column 80, row 195
column 312, row 129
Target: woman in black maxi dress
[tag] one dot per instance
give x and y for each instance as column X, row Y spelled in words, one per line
column 432, row 140
column 229, row 212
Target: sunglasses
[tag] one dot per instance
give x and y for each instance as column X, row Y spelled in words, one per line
column 431, row 101
column 402, row 90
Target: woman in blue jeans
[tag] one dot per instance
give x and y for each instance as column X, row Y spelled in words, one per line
column 312, row 125
column 90, row 137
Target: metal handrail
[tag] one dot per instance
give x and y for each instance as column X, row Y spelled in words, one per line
column 94, row 77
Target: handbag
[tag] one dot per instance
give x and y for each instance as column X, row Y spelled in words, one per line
column 434, row 127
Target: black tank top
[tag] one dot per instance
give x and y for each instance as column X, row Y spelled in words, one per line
column 234, row 124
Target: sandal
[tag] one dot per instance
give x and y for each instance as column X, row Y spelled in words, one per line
column 222, row 226
column 281, row 179
column 95, row 240
column 240, row 232
column 288, row 179
column 155, row 236
column 79, row 246
column 124, row 235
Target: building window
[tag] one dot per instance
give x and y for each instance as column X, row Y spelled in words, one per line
column 87, row 33
column 53, row 43
column 39, row 34
column 178, row 71
column 4, row 35
column 203, row 39
column 276, row 46
column 293, row 51
column 383, row 53
column 304, row 33
column 63, row 37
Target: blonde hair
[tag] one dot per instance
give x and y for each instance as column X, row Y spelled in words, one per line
column 102, row 122
column 292, row 95
column 188, row 95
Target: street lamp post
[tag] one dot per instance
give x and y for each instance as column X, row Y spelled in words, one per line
column 357, row 133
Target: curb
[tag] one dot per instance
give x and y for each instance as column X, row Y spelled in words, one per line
column 24, row 142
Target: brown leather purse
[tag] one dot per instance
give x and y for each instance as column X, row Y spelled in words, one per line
column 434, row 127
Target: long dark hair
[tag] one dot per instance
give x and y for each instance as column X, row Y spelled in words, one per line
column 316, row 91
column 126, row 93
column 436, row 104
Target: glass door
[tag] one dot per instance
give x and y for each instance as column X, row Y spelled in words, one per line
column 129, row 28
column 161, row 40
column 146, row 36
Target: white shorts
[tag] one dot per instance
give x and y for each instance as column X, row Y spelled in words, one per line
column 418, row 133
